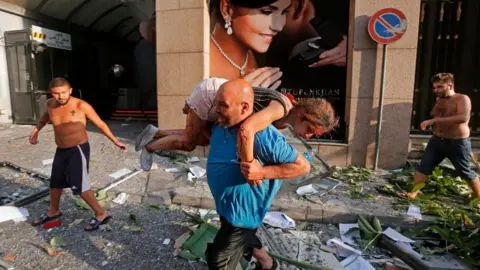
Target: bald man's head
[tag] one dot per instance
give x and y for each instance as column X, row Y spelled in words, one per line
column 234, row 102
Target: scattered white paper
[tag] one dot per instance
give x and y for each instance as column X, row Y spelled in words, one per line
column 279, row 220
column 348, row 238
column 193, row 159
column 203, row 212
column 120, row 173
column 190, row 177
column 47, row 161
column 13, row 213
column 407, row 247
column 166, row 241
column 199, row 172
column 121, row 198
column 308, row 189
column 343, row 250
column 154, row 167
column 172, row 170
column 397, row 170
column 414, row 211
column 396, row 236
column 355, row 262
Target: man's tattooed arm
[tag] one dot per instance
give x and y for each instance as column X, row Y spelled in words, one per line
column 43, row 121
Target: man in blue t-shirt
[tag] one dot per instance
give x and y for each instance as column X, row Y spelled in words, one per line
column 243, row 206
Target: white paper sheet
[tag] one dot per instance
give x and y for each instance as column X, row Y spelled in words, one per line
column 348, row 238
column 116, row 175
column 121, row 198
column 353, row 262
column 308, row 189
column 414, row 211
column 47, row 161
column 13, row 213
column 193, row 159
column 343, row 250
column 199, row 172
column 396, row 236
column 172, row 170
column 279, row 220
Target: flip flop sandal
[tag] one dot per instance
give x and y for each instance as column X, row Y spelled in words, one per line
column 44, row 218
column 95, row 223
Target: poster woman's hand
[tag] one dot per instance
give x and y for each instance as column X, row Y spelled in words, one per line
column 265, row 77
column 336, row 56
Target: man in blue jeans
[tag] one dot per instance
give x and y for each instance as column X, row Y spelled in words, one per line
column 451, row 115
column 242, row 206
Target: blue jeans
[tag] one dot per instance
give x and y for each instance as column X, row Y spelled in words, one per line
column 456, row 150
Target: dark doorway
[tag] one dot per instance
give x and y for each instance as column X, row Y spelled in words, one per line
column 449, row 41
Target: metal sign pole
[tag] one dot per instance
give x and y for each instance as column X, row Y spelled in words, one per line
column 380, row 107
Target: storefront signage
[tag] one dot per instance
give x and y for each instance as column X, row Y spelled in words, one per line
column 51, row 38
column 387, row 26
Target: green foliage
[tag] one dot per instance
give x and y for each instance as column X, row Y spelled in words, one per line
column 444, row 196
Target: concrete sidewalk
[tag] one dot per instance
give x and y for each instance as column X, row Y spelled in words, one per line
column 159, row 186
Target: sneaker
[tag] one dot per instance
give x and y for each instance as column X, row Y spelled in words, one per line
column 145, row 137
column 146, row 160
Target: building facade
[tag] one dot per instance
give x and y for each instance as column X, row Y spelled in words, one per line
column 183, row 59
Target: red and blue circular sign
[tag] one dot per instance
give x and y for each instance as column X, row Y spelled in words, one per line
column 387, row 26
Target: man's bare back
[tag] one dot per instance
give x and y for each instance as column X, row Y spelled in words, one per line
column 69, row 122
column 448, row 107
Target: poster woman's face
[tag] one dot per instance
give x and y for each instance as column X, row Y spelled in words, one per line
column 257, row 27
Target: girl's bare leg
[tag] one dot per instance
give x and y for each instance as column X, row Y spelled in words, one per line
column 184, row 142
column 163, row 133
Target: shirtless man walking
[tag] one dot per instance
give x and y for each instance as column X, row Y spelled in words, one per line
column 451, row 115
column 71, row 162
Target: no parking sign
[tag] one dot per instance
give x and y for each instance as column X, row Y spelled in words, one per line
column 387, row 26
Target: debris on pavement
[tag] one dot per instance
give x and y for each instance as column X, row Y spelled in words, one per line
column 75, row 222
column 354, row 262
column 279, row 220
column 121, row 180
column 6, row 265
column 132, row 228
column 13, row 213
column 305, row 190
column 198, row 171
column 172, row 170
column 121, row 198
column 47, row 162
column 52, row 224
column 193, row 159
column 349, row 232
column 166, row 242
column 120, row 173
column 58, row 241
column 414, row 211
column 8, row 257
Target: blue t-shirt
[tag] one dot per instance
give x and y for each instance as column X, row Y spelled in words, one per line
column 242, row 204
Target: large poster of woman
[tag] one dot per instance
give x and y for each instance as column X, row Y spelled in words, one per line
column 293, row 46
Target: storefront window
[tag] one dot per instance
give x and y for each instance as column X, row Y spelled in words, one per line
column 305, row 39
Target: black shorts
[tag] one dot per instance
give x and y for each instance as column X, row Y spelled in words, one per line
column 70, row 168
column 230, row 245
column 456, row 150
